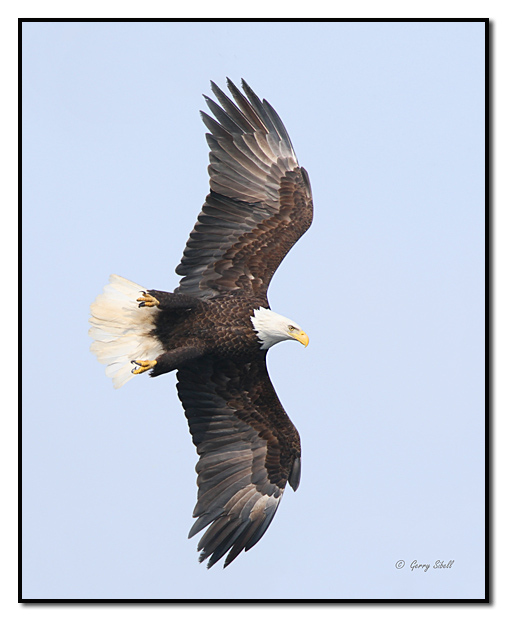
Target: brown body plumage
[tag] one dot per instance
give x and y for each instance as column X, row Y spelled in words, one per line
column 216, row 328
column 220, row 326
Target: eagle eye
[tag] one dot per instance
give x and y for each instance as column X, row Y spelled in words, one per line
column 292, row 328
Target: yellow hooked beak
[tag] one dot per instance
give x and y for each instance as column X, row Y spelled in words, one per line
column 302, row 337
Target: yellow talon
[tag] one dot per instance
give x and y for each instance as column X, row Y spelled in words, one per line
column 143, row 365
column 147, row 300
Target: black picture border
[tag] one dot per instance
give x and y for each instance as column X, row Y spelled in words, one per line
column 488, row 307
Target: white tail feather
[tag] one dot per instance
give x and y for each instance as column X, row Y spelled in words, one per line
column 121, row 330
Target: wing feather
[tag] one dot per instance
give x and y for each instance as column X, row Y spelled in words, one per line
column 247, row 450
column 260, row 201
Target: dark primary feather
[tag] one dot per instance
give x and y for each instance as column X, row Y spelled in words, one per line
column 248, row 449
column 259, row 205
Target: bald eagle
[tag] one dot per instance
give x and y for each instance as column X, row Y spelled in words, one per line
column 215, row 329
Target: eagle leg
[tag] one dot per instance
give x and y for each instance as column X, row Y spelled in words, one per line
column 175, row 358
column 170, row 301
column 147, row 300
column 142, row 366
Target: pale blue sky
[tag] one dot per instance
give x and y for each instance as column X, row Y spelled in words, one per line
column 388, row 119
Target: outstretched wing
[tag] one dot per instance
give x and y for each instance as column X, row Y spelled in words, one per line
column 248, row 449
column 259, row 205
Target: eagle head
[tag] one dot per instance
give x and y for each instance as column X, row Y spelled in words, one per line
column 272, row 328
